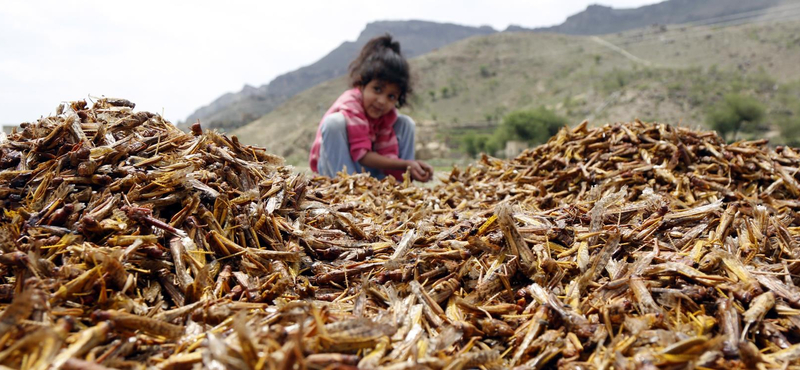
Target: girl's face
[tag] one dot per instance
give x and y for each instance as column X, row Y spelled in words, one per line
column 379, row 97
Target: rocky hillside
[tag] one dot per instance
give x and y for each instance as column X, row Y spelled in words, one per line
column 416, row 37
column 673, row 74
column 599, row 19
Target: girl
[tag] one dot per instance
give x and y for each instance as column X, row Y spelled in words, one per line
column 362, row 131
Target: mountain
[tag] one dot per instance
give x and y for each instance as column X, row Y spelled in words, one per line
column 671, row 74
column 599, row 19
column 233, row 110
column 416, row 38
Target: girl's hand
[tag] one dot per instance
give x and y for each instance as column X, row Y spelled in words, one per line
column 420, row 171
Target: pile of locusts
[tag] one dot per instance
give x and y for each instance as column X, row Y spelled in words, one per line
column 127, row 243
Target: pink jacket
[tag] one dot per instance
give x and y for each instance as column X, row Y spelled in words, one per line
column 363, row 133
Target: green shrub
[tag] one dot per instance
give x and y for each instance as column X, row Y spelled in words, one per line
column 533, row 126
column 485, row 72
column 473, row 143
column 790, row 130
column 788, row 120
column 734, row 114
column 493, row 145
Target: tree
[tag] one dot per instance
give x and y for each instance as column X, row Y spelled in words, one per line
column 735, row 113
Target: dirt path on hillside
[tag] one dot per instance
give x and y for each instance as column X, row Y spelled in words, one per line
column 622, row 51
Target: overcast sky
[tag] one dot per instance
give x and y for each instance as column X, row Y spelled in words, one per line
column 175, row 56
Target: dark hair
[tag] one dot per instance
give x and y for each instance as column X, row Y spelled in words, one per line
column 380, row 59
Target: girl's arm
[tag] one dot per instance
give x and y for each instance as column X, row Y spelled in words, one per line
column 420, row 171
column 375, row 160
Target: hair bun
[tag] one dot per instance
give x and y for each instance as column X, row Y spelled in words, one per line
column 395, row 46
column 388, row 42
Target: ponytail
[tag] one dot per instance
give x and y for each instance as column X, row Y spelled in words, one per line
column 375, row 46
